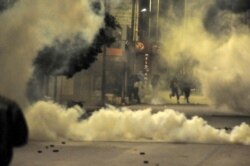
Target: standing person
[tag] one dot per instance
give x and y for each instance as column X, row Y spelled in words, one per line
column 133, row 89
column 186, row 90
column 136, row 90
column 13, row 129
column 174, row 89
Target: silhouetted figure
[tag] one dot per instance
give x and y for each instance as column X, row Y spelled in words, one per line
column 13, row 129
column 136, row 90
column 133, row 89
column 174, row 89
column 130, row 88
column 186, row 91
column 185, row 86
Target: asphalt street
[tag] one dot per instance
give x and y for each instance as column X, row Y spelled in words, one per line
column 130, row 154
column 101, row 153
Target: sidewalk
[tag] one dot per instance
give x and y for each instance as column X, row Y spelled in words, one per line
column 163, row 97
column 199, row 105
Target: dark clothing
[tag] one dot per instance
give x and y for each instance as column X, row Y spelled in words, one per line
column 174, row 89
column 186, row 91
column 136, row 94
column 133, row 90
column 13, row 129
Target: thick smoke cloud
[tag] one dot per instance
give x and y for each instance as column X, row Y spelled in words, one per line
column 218, row 40
column 224, row 15
column 73, row 55
column 49, row 121
column 70, row 56
column 29, row 26
column 55, row 60
column 236, row 6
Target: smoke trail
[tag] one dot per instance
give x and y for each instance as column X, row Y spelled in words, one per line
column 5, row 4
column 73, row 55
column 234, row 13
column 237, row 6
column 50, row 121
column 214, row 35
column 70, row 56
column 30, row 25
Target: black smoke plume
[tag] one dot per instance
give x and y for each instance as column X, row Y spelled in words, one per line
column 5, row 4
column 71, row 56
column 68, row 57
column 236, row 6
column 218, row 19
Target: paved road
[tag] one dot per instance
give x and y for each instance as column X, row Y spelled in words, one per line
column 130, row 154
column 142, row 153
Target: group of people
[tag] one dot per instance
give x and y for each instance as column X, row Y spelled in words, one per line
column 180, row 88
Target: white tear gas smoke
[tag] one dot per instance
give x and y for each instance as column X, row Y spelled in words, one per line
column 115, row 3
column 217, row 37
column 48, row 121
column 30, row 25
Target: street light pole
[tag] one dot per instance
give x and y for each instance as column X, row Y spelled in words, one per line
column 133, row 21
column 149, row 20
column 104, row 59
column 104, row 75
column 157, row 20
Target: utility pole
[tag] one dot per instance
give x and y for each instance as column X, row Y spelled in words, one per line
column 133, row 21
column 149, row 20
column 134, row 31
column 104, row 61
column 157, row 20
column 55, row 88
column 104, row 57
